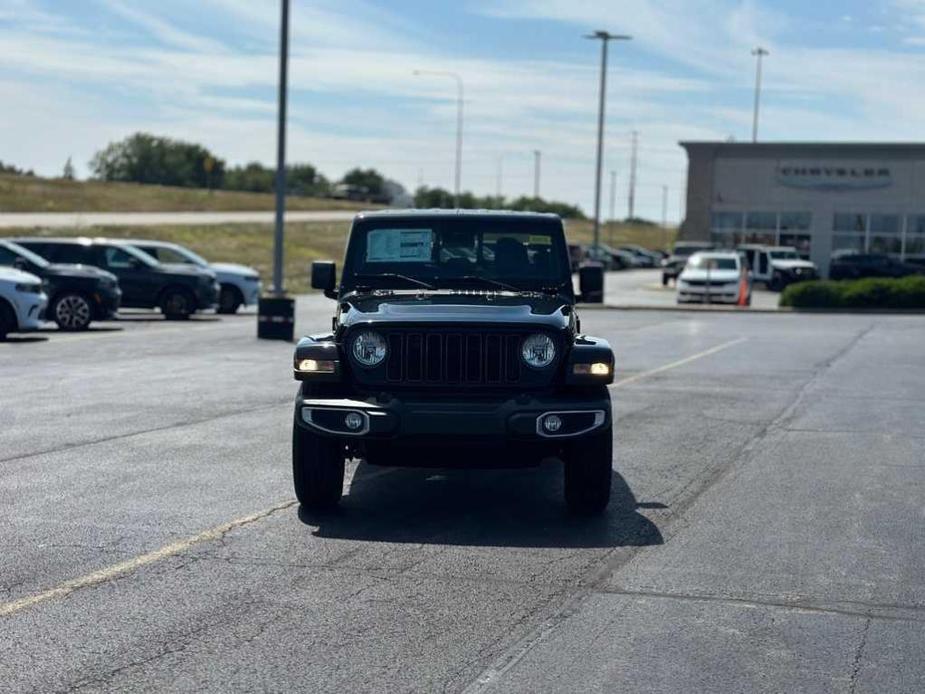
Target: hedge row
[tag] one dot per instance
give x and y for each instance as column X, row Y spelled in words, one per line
column 872, row 292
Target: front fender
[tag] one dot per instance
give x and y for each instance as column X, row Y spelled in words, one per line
column 323, row 351
column 587, row 350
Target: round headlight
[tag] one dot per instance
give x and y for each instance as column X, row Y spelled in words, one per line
column 538, row 351
column 369, row 348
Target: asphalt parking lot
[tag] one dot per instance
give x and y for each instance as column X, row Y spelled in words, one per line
column 765, row 531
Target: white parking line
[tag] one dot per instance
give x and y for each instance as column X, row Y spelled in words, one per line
column 680, row 362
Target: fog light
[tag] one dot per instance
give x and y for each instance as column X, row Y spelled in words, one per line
column 353, row 421
column 315, row 366
column 552, row 423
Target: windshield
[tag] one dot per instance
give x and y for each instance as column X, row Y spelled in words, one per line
column 26, row 254
column 707, row 262
column 455, row 253
column 174, row 254
column 784, row 255
column 141, row 255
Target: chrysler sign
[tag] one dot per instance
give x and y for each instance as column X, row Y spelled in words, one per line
column 834, row 176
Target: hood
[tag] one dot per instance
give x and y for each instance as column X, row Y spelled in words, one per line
column 793, row 264
column 485, row 308
column 11, row 274
column 185, row 269
column 81, row 271
column 234, row 269
column 714, row 275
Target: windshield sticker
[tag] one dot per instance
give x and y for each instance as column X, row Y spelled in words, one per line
column 399, row 246
column 540, row 240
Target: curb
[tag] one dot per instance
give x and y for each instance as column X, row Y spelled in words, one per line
column 696, row 308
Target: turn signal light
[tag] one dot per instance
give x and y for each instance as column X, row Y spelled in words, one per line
column 596, row 369
column 315, row 366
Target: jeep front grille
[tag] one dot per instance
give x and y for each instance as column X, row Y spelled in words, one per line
column 465, row 358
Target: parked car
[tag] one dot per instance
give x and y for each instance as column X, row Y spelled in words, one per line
column 857, row 265
column 77, row 294
column 610, row 258
column 777, row 266
column 22, row 301
column 644, row 257
column 177, row 290
column 240, row 285
column 715, row 277
column 494, row 338
column 674, row 263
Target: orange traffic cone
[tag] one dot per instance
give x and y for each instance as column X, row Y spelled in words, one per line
column 743, row 291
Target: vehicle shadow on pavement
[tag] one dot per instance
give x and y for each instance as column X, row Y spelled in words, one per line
column 495, row 508
column 12, row 340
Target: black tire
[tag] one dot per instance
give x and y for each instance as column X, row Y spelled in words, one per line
column 588, row 468
column 664, row 280
column 71, row 312
column 177, row 304
column 229, row 300
column 8, row 323
column 317, row 469
column 776, row 283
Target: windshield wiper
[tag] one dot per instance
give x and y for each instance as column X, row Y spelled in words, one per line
column 396, row 276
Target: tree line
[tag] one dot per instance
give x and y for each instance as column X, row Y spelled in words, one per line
column 151, row 159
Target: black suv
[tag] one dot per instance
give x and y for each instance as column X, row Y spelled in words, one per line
column 77, row 294
column 455, row 342
column 857, row 265
column 177, row 290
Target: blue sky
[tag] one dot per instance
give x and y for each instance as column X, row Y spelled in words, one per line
column 77, row 75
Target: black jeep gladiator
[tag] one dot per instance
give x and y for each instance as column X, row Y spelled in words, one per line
column 455, row 342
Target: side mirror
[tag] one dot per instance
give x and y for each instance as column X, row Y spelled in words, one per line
column 20, row 263
column 324, row 277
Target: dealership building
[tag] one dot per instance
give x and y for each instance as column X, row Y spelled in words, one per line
column 822, row 198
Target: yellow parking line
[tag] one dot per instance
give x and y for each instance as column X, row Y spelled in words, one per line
column 680, row 362
column 111, row 572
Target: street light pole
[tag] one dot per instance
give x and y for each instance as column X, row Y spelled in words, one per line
column 759, row 53
column 281, row 154
column 460, row 97
column 605, row 38
column 536, row 173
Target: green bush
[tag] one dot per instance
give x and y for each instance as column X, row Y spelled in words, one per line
column 871, row 292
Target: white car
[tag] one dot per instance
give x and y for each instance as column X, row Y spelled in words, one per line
column 22, row 301
column 240, row 285
column 715, row 277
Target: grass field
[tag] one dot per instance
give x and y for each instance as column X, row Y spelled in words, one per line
column 33, row 194
column 251, row 244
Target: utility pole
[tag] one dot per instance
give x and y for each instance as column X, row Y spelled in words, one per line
column 613, row 195
column 460, row 98
column 281, row 154
column 665, row 206
column 604, row 37
column 536, row 172
column 632, row 190
column 759, row 53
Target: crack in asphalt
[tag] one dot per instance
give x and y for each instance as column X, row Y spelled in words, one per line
column 141, row 432
column 858, row 655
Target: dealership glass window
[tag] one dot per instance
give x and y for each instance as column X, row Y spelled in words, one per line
column 761, row 221
column 795, row 221
column 915, row 237
column 850, row 221
column 802, row 242
column 847, row 242
column 727, row 221
column 884, row 224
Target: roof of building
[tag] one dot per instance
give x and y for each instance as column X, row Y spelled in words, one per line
column 825, row 148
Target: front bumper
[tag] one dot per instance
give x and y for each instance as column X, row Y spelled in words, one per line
column 106, row 303
column 32, row 312
column 251, row 292
column 716, row 295
column 456, row 422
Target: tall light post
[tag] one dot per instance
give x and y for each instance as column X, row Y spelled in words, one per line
column 537, row 157
column 459, row 122
column 605, row 38
column 276, row 312
column 759, row 53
